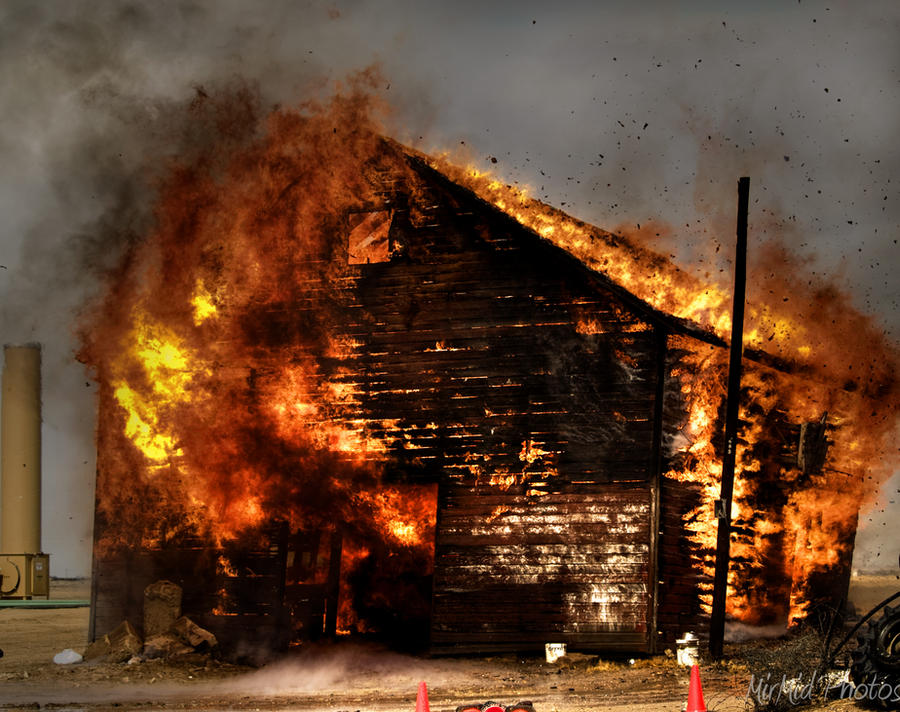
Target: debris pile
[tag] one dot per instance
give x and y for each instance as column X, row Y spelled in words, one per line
column 167, row 633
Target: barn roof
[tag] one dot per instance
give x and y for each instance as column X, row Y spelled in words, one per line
column 676, row 325
column 575, row 265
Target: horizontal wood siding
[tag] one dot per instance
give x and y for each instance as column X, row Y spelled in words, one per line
column 482, row 354
column 514, row 572
column 681, row 577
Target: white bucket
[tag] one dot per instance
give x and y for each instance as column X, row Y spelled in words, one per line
column 554, row 651
column 688, row 650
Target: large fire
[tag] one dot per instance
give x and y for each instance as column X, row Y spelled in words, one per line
column 237, row 401
column 236, row 397
column 840, row 365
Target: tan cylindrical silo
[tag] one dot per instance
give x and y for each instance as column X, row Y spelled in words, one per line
column 20, row 449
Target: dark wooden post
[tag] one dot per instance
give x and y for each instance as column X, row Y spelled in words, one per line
column 723, row 505
column 662, row 345
column 333, row 584
column 281, row 610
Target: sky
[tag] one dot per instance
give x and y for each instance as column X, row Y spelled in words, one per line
column 620, row 113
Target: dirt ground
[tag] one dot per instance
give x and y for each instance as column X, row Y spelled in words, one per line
column 358, row 677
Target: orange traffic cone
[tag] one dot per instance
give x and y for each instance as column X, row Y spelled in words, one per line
column 695, row 701
column 422, row 698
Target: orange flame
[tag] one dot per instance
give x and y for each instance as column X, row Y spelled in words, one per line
column 236, row 399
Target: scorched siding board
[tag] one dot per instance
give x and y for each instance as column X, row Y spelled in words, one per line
column 500, row 363
column 513, row 571
column 685, row 582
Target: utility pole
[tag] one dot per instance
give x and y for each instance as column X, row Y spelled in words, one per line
column 723, row 505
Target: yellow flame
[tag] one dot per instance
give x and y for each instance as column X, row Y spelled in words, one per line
column 531, row 452
column 204, row 306
column 142, row 426
column 169, row 369
column 164, row 359
column 397, row 515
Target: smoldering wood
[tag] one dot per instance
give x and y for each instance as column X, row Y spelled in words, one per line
column 333, row 584
column 812, row 449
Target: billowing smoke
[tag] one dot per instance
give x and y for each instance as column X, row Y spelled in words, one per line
column 97, row 98
column 622, row 116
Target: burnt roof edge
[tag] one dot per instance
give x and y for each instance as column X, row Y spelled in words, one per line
column 673, row 324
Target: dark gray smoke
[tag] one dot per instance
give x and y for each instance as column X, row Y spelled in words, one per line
column 619, row 112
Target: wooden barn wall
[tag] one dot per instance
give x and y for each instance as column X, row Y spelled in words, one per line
column 514, row 573
column 763, row 549
column 680, row 572
column 481, row 353
column 495, row 364
column 681, row 578
column 529, row 391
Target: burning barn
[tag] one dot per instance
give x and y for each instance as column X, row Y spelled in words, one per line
column 342, row 390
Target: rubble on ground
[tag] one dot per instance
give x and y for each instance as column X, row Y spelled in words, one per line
column 167, row 633
column 117, row 646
